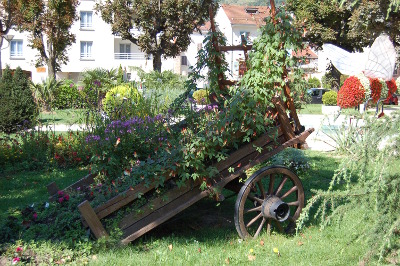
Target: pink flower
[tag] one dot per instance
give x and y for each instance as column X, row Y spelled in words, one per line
column 60, row 193
column 15, row 260
column 19, row 249
column 60, row 200
column 34, row 215
column 66, row 197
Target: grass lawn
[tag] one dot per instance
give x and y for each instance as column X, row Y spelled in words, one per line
column 205, row 234
column 67, row 117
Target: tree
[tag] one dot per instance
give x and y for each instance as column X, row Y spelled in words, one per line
column 17, row 106
column 48, row 23
column 8, row 16
column 164, row 25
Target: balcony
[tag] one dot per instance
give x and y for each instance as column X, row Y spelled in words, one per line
column 131, row 56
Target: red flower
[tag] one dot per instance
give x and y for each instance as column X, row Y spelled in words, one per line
column 34, row 215
column 376, row 88
column 19, row 249
column 351, row 93
column 392, row 86
column 66, row 197
column 60, row 193
column 60, row 200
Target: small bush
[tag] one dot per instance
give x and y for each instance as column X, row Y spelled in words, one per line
column 314, row 83
column 124, row 101
column 200, row 96
column 67, row 96
column 329, row 98
column 17, row 106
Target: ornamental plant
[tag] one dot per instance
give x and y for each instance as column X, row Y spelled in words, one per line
column 329, row 98
column 376, row 89
column 351, row 93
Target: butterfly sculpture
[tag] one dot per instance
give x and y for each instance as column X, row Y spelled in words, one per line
column 378, row 62
column 371, row 72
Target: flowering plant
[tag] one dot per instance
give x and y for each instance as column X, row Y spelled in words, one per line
column 351, row 93
column 376, row 89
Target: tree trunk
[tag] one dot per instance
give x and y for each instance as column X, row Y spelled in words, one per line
column 51, row 66
column 157, row 62
column 1, row 67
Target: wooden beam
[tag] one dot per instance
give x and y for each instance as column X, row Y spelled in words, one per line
column 92, row 220
column 235, row 48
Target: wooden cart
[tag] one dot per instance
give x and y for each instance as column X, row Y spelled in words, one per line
column 272, row 196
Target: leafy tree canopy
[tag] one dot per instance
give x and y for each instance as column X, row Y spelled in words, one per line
column 49, row 23
column 351, row 25
column 164, row 25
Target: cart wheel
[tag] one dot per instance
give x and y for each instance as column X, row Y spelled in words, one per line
column 272, row 197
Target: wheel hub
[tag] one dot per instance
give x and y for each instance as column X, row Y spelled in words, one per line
column 273, row 207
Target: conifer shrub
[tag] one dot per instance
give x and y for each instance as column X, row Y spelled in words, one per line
column 329, row 98
column 17, row 106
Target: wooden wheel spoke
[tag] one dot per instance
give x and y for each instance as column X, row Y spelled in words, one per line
column 252, row 209
column 254, row 220
column 254, row 198
column 269, row 226
column 261, row 187
column 290, row 191
column 293, row 203
column 278, row 190
column 280, row 227
column 271, row 184
column 260, row 227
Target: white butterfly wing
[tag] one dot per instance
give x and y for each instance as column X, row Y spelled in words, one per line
column 347, row 63
column 381, row 59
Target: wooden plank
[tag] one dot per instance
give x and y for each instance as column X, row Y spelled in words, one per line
column 156, row 204
column 86, row 181
column 124, row 198
column 52, row 188
column 248, row 148
column 283, row 118
column 292, row 108
column 296, row 140
column 235, row 48
column 255, row 155
column 163, row 214
column 91, row 219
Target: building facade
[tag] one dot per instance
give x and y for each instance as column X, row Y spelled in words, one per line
column 96, row 46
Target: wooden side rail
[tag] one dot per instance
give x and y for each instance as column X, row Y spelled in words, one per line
column 53, row 189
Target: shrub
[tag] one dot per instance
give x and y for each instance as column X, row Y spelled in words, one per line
column 124, row 101
column 67, row 96
column 201, row 96
column 17, row 106
column 314, row 83
column 329, row 98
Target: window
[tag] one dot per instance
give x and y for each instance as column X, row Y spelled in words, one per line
column 184, row 60
column 86, row 50
column 16, row 48
column 125, row 48
column 86, row 19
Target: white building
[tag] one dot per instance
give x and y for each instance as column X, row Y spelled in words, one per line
column 96, row 46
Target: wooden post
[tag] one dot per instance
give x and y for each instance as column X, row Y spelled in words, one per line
column 92, row 220
column 52, row 188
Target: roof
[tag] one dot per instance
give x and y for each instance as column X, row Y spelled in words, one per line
column 308, row 53
column 247, row 15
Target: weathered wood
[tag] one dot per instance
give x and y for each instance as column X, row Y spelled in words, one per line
column 52, row 188
column 125, row 198
column 283, row 119
column 91, row 219
column 248, row 148
column 235, row 48
column 163, row 214
column 292, row 108
column 156, row 204
column 84, row 182
column 223, row 180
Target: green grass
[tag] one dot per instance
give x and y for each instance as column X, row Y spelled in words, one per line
column 67, row 117
column 311, row 109
column 205, row 233
column 26, row 188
